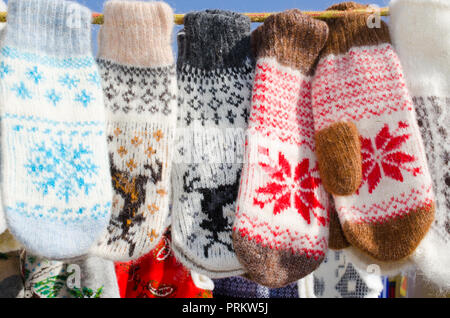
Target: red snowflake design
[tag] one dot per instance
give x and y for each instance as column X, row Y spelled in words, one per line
column 287, row 186
column 384, row 155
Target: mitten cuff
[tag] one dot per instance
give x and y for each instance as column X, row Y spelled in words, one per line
column 137, row 33
column 215, row 39
column 352, row 30
column 52, row 27
column 293, row 38
column 420, row 33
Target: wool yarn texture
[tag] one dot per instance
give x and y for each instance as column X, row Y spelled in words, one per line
column 282, row 221
column 3, row 225
column 56, row 189
column 359, row 91
column 423, row 48
column 365, row 262
column 158, row 275
column 140, row 89
column 337, row 240
column 215, row 74
column 239, row 287
column 361, row 261
column 338, row 278
column 88, row 277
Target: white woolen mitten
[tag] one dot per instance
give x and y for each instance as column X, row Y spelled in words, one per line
column 3, row 226
column 420, row 33
column 56, row 181
column 138, row 72
column 215, row 75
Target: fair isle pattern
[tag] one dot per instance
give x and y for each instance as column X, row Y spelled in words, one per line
column 57, row 162
column 381, row 211
column 368, row 83
column 138, row 90
column 433, row 115
column 337, row 277
column 54, row 152
column 66, row 63
column 215, row 98
column 365, row 82
column 55, row 214
column 282, row 203
column 72, row 86
column 289, row 119
column 213, row 113
column 141, row 105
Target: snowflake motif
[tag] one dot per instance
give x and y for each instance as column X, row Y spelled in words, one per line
column 4, row 70
column 287, row 186
column 21, row 91
column 384, row 155
column 53, row 97
column 84, row 98
column 34, row 75
column 63, row 167
column 94, row 78
column 70, row 82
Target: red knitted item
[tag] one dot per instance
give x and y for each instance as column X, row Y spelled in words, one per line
column 157, row 275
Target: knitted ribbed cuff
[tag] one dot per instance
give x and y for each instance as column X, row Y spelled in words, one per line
column 137, row 33
column 52, row 27
column 292, row 37
column 352, row 30
column 215, row 39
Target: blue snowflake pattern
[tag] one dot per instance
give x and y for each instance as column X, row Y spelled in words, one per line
column 53, row 97
column 84, row 98
column 21, row 91
column 63, row 167
column 4, row 70
column 34, row 75
column 94, row 78
column 70, row 82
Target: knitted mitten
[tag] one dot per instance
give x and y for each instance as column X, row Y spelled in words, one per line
column 359, row 81
column 3, row 226
column 281, row 229
column 89, row 277
column 7, row 242
column 423, row 48
column 339, row 278
column 158, row 275
column 239, row 287
column 215, row 73
column 56, row 188
column 364, row 262
column 140, row 88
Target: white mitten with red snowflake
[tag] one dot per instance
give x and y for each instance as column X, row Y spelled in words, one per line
column 281, row 229
column 359, row 82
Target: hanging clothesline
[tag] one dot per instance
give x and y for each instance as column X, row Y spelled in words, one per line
column 97, row 18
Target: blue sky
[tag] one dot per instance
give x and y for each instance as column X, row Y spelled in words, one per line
column 184, row 6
